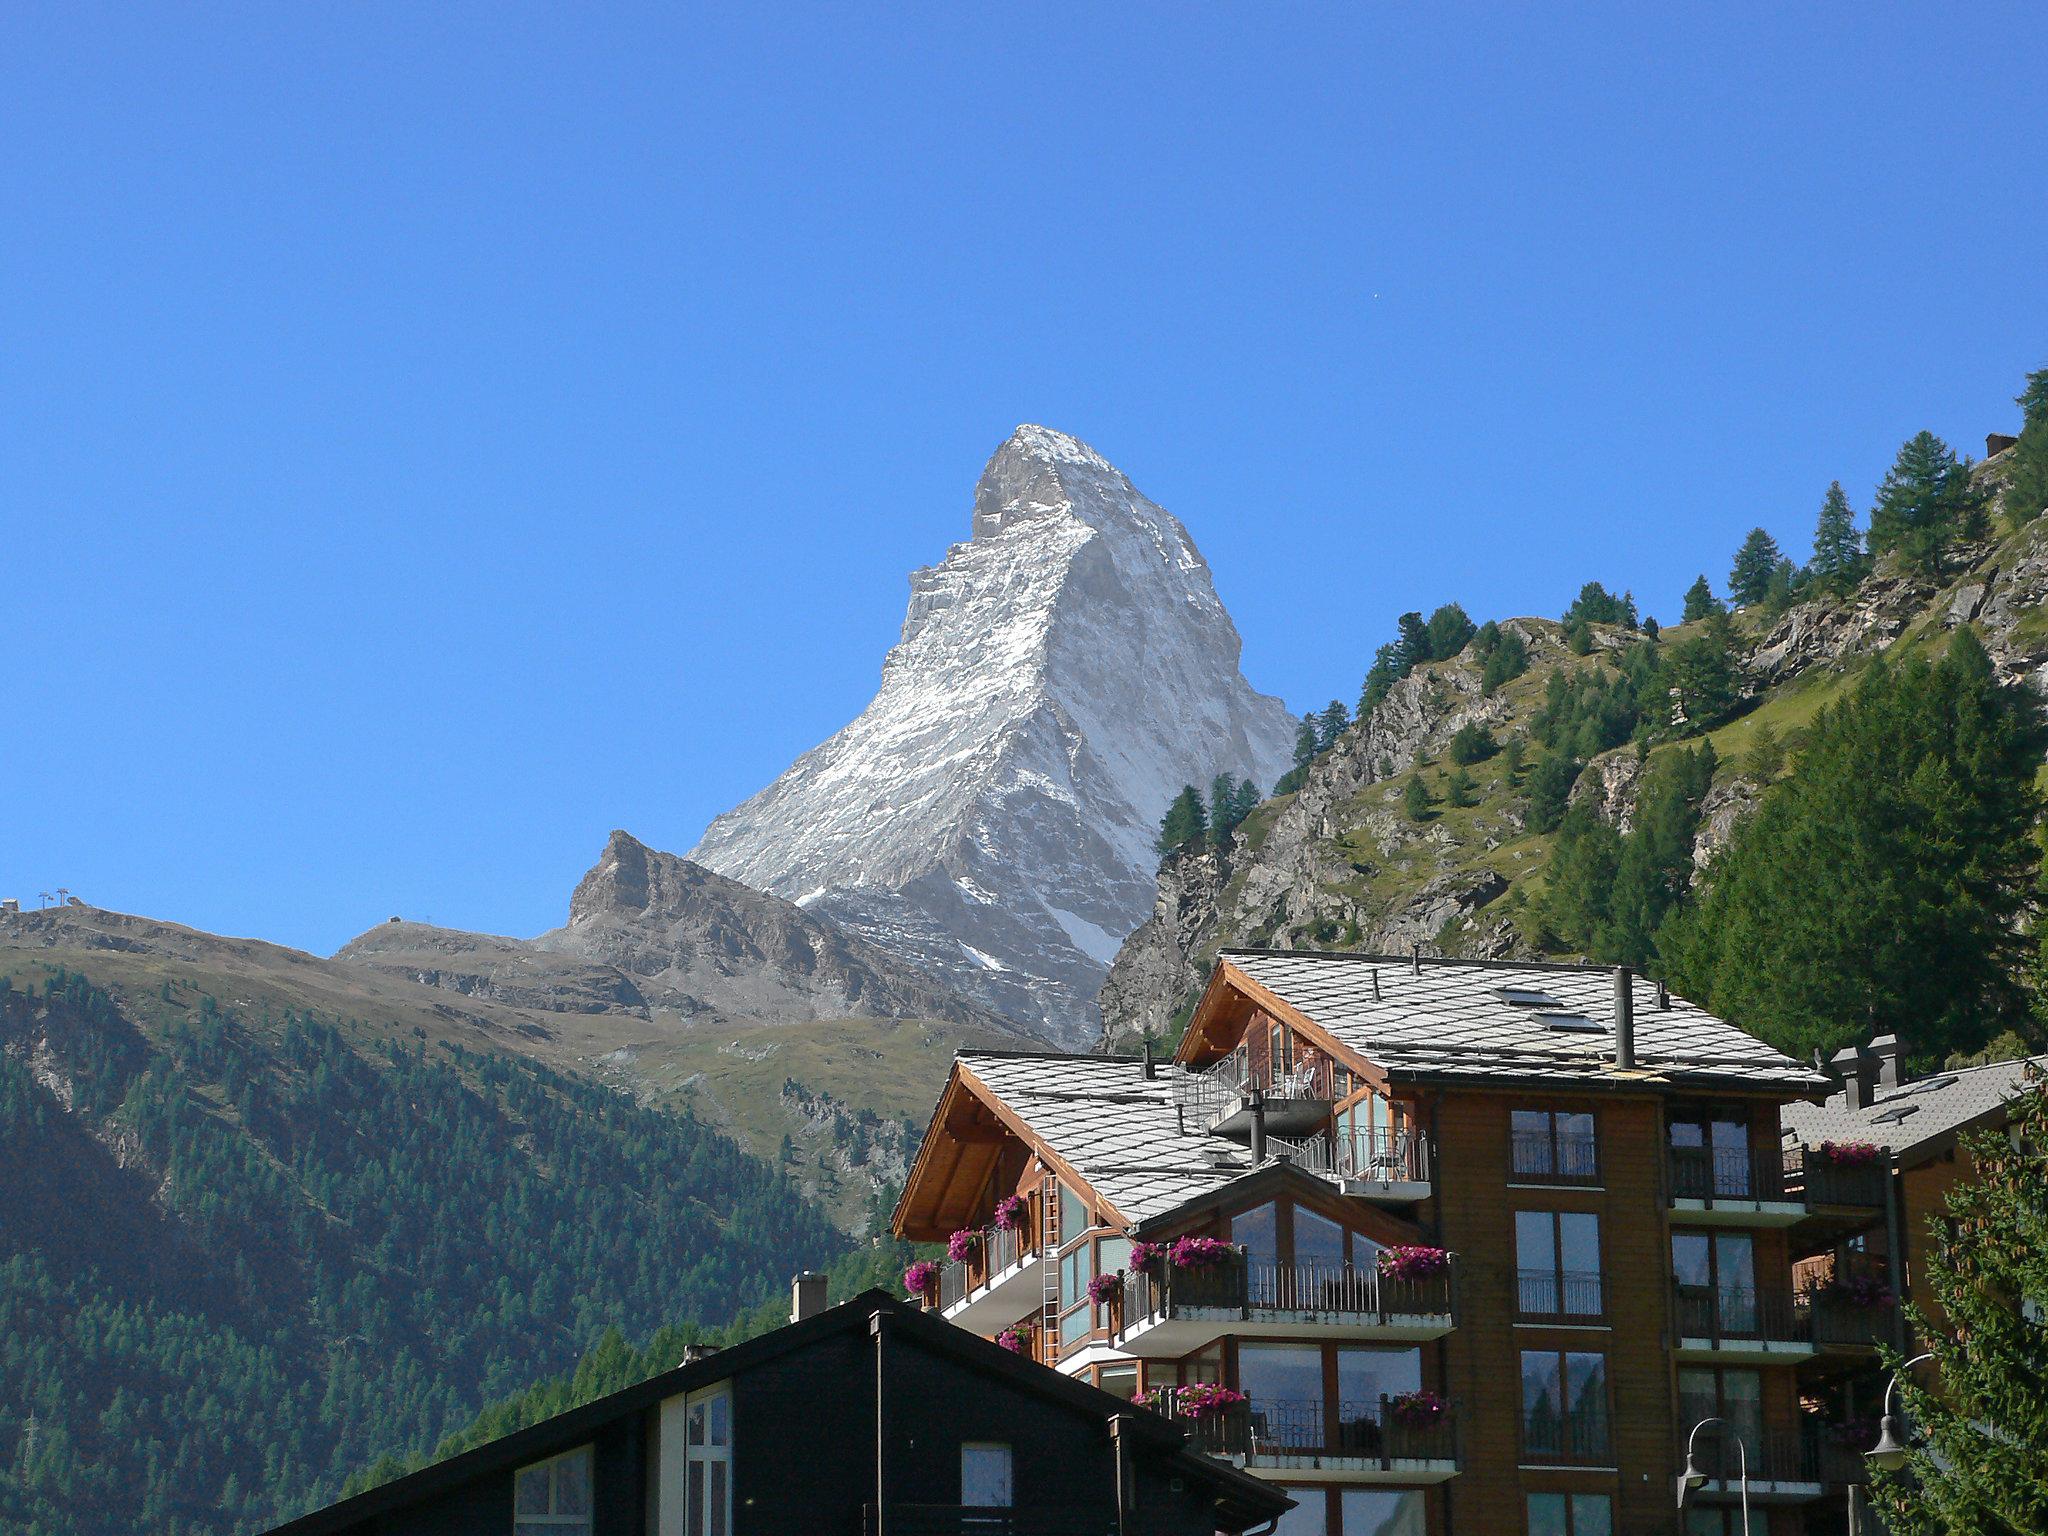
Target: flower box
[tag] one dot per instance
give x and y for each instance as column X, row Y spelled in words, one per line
column 1417, row 1410
column 921, row 1280
column 963, row 1244
column 1849, row 1154
column 1413, row 1261
column 1011, row 1213
column 1862, row 1291
column 1016, row 1339
column 1200, row 1252
column 1103, row 1287
column 1208, row 1400
column 1148, row 1258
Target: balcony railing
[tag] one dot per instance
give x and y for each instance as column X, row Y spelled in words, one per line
column 1739, row 1314
column 1822, row 1181
column 1000, row 1249
column 1576, row 1438
column 1575, row 1296
column 1349, row 1292
column 1381, row 1157
column 1846, row 1317
column 1216, row 1093
column 1775, row 1455
column 1727, row 1173
column 1373, row 1430
column 1539, row 1157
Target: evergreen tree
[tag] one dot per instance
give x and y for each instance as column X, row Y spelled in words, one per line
column 1878, row 887
column 1485, row 640
column 1306, row 741
column 1926, row 503
column 1386, row 671
column 1330, row 724
column 1578, row 637
column 1766, row 756
column 1230, row 801
column 2026, row 493
column 1596, row 605
column 1415, row 799
column 1473, row 743
column 1700, row 602
column 1653, row 873
column 1754, row 562
column 1549, row 790
column 1511, row 758
column 1701, row 673
column 1508, row 660
column 1580, row 881
column 1458, row 789
column 1838, row 559
column 1413, row 642
column 1184, row 824
column 1450, row 628
column 1983, row 1466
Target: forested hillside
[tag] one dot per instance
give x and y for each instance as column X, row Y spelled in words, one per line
column 243, row 1258
column 1812, row 803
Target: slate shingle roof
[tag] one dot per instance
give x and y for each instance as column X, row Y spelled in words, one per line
column 1909, row 1115
column 1445, row 1021
column 1113, row 1126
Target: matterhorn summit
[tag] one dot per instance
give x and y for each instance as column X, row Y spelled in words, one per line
column 991, row 813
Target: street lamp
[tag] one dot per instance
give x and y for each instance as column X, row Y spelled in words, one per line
column 1695, row 1477
column 1891, row 1450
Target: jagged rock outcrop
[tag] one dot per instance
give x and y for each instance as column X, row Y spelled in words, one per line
column 990, row 815
column 515, row 972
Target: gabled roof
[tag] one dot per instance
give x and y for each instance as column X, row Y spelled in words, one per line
column 1248, row 1498
column 1452, row 1021
column 1923, row 1116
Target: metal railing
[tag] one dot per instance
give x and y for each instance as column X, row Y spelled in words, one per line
column 1351, row 1291
column 1775, row 1455
column 1727, row 1173
column 1577, row 1437
column 1541, row 1157
column 1376, row 1429
column 1575, row 1296
column 999, row 1250
column 1382, row 1156
column 1845, row 1316
column 1740, row 1314
column 1218, row 1091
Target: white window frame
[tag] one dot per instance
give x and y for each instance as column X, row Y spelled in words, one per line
column 565, row 1522
column 707, row 1455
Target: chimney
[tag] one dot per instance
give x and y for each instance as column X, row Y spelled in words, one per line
column 807, row 1296
column 1663, row 998
column 1997, row 442
column 1257, row 1101
column 1857, row 1069
column 1891, row 1060
column 1148, row 1056
column 1624, row 1019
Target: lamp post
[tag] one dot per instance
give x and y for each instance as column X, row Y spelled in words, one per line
column 1891, row 1450
column 1694, row 1476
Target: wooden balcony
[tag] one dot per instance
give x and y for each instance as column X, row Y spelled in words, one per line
column 993, row 1286
column 1719, row 1186
column 1852, row 1316
column 1575, row 1297
column 1180, row 1310
column 1361, row 1442
column 1729, row 1325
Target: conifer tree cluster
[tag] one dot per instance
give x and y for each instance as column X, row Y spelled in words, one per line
column 2026, row 495
column 1441, row 636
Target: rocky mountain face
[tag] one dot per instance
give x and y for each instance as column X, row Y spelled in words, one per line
column 990, row 815
column 1338, row 865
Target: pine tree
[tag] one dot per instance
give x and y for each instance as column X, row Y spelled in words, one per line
column 1838, row 559
column 1458, row 789
column 1701, row 673
column 1473, row 743
column 1184, row 824
column 1596, row 605
column 1983, row 1466
column 1754, row 562
column 1578, row 637
column 1766, row 756
column 1926, row 503
column 1386, row 671
column 1413, row 642
column 1306, row 744
column 1878, row 887
column 1508, row 660
column 1549, row 790
column 1330, row 724
column 1415, row 799
column 1450, row 628
column 2026, row 493
column 1700, row 602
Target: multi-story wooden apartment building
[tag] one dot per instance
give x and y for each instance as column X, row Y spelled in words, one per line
column 1486, row 1241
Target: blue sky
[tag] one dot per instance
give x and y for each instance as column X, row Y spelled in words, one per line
column 432, row 436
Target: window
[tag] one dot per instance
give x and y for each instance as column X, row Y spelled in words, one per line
column 1710, row 1154
column 1564, row 1406
column 552, row 1498
column 1557, row 1257
column 709, row 1470
column 1285, row 1384
column 1570, row 1514
column 985, row 1475
column 1258, row 1230
column 1553, row 1146
column 1716, row 1278
column 1364, row 1377
column 1073, row 1215
column 1382, row 1512
column 1318, row 1241
column 1118, row 1380
column 1310, row 1515
column 1736, row 1397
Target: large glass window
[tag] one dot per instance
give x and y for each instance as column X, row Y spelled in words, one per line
column 709, row 1469
column 1382, row 1512
column 1716, row 1277
column 1285, row 1384
column 985, row 1475
column 1557, row 1257
column 1309, row 1517
column 1258, row 1231
column 1710, row 1154
column 1553, row 1146
column 1733, row 1396
column 1564, row 1405
column 1073, row 1215
column 552, row 1498
column 1318, row 1241
column 1570, row 1514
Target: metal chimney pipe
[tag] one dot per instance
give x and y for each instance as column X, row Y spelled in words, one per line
column 1257, row 1100
column 1148, row 1056
column 1624, row 1019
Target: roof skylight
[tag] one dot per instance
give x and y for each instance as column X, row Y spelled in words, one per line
column 1526, row 997
column 1577, row 1023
